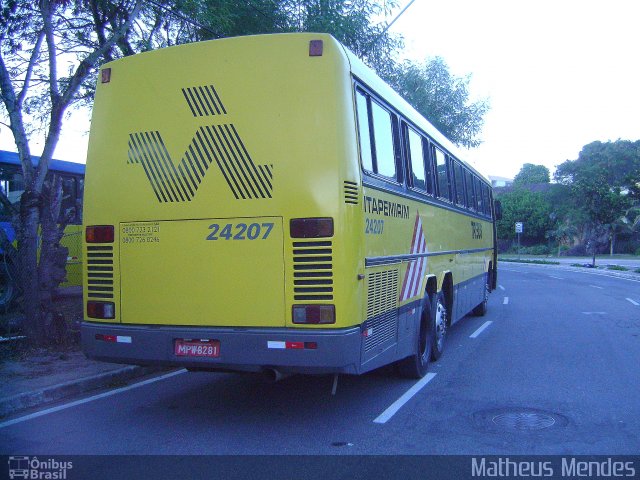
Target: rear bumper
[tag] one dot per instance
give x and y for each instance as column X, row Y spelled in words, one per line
column 241, row 349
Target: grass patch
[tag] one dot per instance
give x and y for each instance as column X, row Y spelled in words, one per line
column 617, row 267
column 537, row 262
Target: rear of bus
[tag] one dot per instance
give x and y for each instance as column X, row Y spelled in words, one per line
column 222, row 225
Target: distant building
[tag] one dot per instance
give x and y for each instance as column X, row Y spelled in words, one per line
column 498, row 182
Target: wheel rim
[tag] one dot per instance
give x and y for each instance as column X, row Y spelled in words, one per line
column 441, row 325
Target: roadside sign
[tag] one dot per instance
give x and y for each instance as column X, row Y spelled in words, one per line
column 519, row 228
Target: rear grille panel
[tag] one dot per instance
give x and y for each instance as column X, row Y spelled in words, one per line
column 100, row 271
column 382, row 312
column 313, row 270
column 384, row 330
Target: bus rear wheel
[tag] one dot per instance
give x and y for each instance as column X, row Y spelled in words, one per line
column 416, row 366
column 441, row 322
column 481, row 309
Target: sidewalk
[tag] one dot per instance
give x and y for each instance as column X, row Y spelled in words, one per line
column 45, row 376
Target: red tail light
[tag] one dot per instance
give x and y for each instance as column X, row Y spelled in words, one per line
column 311, row 227
column 99, row 234
column 314, row 314
column 103, row 310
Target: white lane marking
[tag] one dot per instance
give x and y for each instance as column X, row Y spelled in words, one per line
column 385, row 416
column 574, row 270
column 505, row 301
column 633, row 301
column 597, row 286
column 89, row 399
column 594, row 313
column 501, row 287
column 558, row 278
column 481, row 329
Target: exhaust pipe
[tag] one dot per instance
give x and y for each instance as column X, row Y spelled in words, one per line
column 272, row 375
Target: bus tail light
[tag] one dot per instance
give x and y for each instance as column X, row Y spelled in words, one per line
column 99, row 234
column 104, row 310
column 311, row 227
column 314, row 314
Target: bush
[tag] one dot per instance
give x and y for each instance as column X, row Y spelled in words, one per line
column 537, row 250
column 576, row 251
column 637, row 252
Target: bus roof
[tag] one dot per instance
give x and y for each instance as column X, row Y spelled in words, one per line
column 11, row 158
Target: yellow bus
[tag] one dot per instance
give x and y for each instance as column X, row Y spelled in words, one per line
column 267, row 203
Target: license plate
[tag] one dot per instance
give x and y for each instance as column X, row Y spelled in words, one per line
column 197, row 348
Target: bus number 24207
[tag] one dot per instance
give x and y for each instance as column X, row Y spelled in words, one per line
column 240, row 231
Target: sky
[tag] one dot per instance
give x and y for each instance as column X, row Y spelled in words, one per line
column 558, row 75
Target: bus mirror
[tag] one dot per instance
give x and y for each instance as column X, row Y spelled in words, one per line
column 497, row 208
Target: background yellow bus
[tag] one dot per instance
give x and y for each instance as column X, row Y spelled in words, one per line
column 267, row 203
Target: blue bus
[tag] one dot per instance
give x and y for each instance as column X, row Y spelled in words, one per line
column 12, row 185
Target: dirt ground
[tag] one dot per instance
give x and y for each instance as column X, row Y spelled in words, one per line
column 65, row 334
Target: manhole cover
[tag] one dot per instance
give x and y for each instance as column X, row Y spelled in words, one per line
column 341, row 444
column 524, row 420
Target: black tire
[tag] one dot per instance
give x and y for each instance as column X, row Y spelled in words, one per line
column 440, row 325
column 416, row 365
column 8, row 287
column 481, row 309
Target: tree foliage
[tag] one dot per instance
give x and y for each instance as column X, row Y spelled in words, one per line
column 603, row 182
column 532, row 209
column 442, row 98
column 531, row 174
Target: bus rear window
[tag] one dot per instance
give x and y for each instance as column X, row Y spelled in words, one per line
column 383, row 139
column 376, row 131
column 363, row 129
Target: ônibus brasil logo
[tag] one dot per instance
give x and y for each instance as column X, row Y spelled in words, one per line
column 38, row 469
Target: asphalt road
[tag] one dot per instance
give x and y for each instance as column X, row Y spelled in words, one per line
column 551, row 369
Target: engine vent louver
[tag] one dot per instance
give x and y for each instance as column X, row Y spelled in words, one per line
column 351, row 193
column 382, row 292
column 313, row 270
column 100, row 271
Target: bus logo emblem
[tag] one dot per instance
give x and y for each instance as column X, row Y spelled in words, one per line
column 219, row 145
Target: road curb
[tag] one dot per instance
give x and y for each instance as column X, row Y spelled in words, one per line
column 23, row 401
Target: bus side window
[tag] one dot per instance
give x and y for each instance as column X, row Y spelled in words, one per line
column 363, row 129
column 441, row 172
column 79, row 199
column 383, row 140
column 485, row 200
column 471, row 195
column 431, row 176
column 478, row 186
column 418, row 178
column 459, row 180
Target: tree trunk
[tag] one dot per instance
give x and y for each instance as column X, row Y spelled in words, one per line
column 612, row 242
column 53, row 256
column 27, row 235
